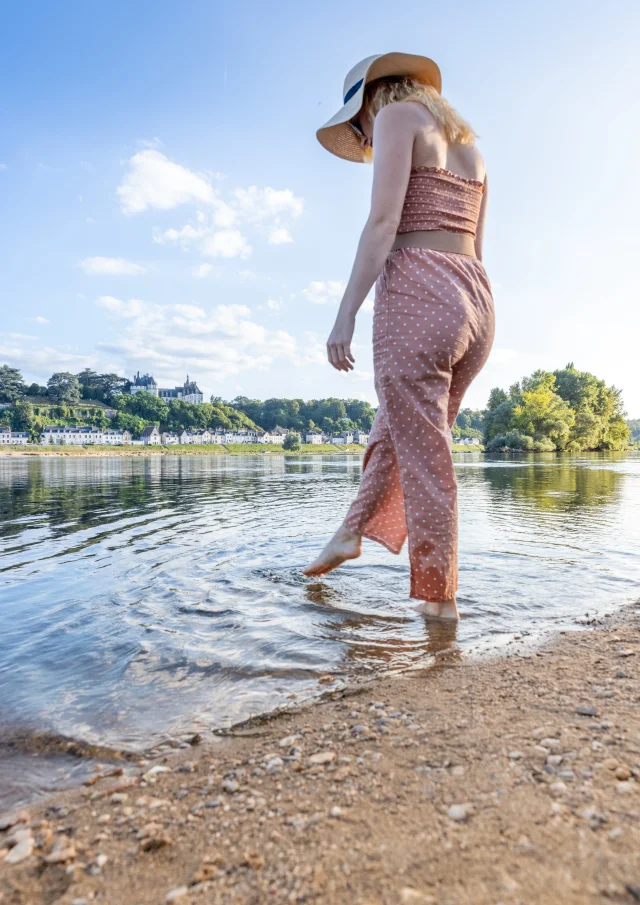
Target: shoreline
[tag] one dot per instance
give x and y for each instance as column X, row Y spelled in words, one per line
column 191, row 450
column 512, row 778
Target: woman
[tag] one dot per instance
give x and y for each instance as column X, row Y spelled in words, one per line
column 433, row 318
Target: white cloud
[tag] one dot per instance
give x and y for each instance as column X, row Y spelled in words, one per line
column 279, row 235
column 202, row 270
column 42, row 361
column 226, row 243
column 154, row 143
column 133, row 308
column 183, row 236
column 214, row 344
column 110, row 267
column 330, row 292
column 260, row 204
column 325, row 292
column 274, row 304
column 154, row 181
column 3, row 167
column 38, row 319
column 224, row 215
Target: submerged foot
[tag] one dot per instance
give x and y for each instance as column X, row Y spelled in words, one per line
column 343, row 545
column 445, row 611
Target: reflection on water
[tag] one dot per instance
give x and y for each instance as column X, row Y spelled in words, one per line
column 146, row 598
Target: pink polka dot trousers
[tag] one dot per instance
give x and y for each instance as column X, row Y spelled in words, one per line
column 433, row 329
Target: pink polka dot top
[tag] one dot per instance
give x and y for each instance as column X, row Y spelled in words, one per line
column 439, row 199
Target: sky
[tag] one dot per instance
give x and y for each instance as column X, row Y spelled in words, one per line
column 168, row 209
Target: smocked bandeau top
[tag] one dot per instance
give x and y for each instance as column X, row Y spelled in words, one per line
column 439, row 199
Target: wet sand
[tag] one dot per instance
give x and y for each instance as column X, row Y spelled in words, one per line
column 509, row 780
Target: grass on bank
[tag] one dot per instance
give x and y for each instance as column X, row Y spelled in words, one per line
column 213, row 449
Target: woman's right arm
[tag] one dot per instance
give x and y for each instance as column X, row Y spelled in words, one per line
column 481, row 220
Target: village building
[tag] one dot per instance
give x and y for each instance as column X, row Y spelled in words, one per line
column 188, row 392
column 361, row 437
column 13, row 438
column 143, row 384
column 313, row 438
column 62, row 434
column 342, row 439
column 150, row 436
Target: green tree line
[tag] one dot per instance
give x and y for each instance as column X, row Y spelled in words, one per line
column 560, row 410
column 316, row 415
column 565, row 409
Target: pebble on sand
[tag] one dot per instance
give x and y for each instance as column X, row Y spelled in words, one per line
column 460, row 812
column 11, row 819
column 409, row 896
column 322, row 757
column 19, row 852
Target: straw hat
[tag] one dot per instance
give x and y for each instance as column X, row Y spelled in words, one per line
column 337, row 135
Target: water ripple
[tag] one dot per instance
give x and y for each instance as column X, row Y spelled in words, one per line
column 141, row 599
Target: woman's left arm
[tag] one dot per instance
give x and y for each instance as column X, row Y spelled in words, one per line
column 394, row 132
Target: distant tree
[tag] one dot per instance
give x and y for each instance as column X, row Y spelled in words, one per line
column 64, row 387
column 144, row 405
column 599, row 417
column 634, row 426
column 291, row 442
column 101, row 387
column 35, row 389
column 23, row 416
column 111, row 386
column 127, row 422
column 564, row 410
column 12, row 385
column 496, row 398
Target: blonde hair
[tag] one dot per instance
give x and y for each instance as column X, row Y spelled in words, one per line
column 390, row 89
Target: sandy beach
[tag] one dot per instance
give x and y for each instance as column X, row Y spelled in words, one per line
column 513, row 779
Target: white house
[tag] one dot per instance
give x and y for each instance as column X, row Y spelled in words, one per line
column 62, row 434
column 201, row 437
column 361, row 437
column 151, row 436
column 169, row 439
column 13, row 438
column 244, row 436
column 271, row 437
column 342, row 439
column 313, row 438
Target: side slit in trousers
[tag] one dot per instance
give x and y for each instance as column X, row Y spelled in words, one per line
column 433, row 328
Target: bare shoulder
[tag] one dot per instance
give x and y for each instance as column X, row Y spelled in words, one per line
column 402, row 115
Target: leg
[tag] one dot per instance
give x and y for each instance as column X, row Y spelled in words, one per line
column 376, row 513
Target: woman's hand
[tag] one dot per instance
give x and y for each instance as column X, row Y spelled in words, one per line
column 339, row 343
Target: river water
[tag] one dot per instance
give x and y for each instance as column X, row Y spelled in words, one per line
column 145, row 599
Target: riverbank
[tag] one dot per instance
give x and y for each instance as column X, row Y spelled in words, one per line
column 509, row 780
column 236, row 449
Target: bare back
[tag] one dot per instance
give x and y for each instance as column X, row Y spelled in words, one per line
column 431, row 149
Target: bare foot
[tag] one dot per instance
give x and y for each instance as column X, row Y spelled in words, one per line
column 445, row 611
column 343, row 545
